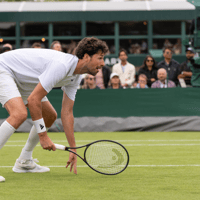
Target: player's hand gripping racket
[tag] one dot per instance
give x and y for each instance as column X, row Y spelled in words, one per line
column 103, row 156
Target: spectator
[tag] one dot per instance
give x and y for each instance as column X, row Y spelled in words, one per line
column 56, row 45
column 7, row 47
column 137, row 49
column 144, row 46
column 115, row 82
column 71, row 46
column 83, row 84
column 184, row 70
column 167, row 44
column 192, row 26
column 194, row 65
column 103, row 77
column 149, row 69
column 178, row 47
column 155, row 46
column 36, row 45
column 90, row 82
column 162, row 81
column 170, row 65
column 134, row 84
column 142, row 81
column 125, row 70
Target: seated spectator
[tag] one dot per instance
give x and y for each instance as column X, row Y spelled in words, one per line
column 56, row 45
column 137, row 49
column 170, row 65
column 142, row 81
column 162, row 81
column 71, row 46
column 144, row 46
column 167, row 44
column 155, row 46
column 115, row 82
column 194, row 65
column 192, row 26
column 90, row 82
column 125, row 70
column 149, row 69
column 36, row 45
column 134, row 85
column 103, row 77
column 177, row 48
column 184, row 70
column 6, row 47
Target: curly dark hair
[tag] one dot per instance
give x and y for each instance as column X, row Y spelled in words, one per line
column 91, row 46
column 154, row 62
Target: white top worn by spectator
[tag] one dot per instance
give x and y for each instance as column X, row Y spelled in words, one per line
column 124, row 69
column 126, row 77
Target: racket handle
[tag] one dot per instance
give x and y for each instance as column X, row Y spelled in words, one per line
column 60, row 147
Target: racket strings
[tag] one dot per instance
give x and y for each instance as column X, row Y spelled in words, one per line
column 107, row 157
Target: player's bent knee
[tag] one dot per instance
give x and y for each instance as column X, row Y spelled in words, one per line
column 21, row 116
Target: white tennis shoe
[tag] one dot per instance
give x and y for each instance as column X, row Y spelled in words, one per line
column 29, row 166
column 2, row 179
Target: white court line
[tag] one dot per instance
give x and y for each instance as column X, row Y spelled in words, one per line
column 130, row 145
column 118, row 140
column 58, row 166
column 127, row 145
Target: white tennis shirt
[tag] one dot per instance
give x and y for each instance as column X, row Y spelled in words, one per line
column 51, row 68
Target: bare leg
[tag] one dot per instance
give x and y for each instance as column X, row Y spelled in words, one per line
column 17, row 111
column 18, row 115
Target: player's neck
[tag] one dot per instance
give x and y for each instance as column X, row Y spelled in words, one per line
column 81, row 67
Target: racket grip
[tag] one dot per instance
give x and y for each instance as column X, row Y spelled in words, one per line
column 60, row 147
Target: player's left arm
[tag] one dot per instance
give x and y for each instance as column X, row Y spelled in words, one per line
column 35, row 108
column 34, row 102
column 67, row 118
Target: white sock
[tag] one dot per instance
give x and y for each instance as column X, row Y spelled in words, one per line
column 32, row 141
column 6, row 130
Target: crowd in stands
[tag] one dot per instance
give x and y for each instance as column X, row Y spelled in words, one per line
column 142, row 47
column 167, row 73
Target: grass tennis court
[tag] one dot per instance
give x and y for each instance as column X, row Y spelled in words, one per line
column 162, row 166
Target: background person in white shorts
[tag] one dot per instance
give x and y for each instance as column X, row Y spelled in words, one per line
column 26, row 77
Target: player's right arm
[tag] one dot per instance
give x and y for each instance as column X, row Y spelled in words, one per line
column 35, row 108
column 67, row 118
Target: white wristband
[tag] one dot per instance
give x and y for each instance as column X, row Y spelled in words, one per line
column 39, row 125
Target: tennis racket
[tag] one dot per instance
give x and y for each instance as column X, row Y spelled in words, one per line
column 103, row 156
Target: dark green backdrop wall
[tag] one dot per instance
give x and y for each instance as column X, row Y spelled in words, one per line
column 130, row 102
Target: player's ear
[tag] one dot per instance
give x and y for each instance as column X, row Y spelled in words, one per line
column 86, row 57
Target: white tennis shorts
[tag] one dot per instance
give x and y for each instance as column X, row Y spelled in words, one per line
column 9, row 89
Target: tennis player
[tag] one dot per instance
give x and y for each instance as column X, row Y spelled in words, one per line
column 26, row 77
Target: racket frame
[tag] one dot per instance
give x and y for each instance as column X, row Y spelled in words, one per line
column 88, row 145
